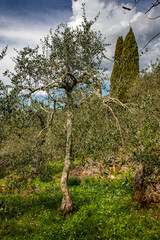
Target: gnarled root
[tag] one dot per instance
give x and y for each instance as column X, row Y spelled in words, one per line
column 66, row 205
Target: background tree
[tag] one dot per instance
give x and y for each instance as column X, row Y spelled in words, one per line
column 130, row 65
column 116, row 72
column 126, row 66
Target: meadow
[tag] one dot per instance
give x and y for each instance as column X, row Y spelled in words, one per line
column 104, row 209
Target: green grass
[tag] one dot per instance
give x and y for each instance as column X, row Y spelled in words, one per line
column 104, row 210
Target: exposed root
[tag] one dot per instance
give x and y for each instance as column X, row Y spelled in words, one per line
column 67, row 205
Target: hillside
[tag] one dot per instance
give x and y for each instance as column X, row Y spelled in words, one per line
column 104, row 209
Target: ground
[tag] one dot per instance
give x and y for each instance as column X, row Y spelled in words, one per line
column 104, row 209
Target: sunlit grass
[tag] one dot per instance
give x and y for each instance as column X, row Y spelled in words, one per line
column 104, row 210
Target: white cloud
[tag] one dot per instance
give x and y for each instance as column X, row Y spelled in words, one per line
column 115, row 21
column 20, row 31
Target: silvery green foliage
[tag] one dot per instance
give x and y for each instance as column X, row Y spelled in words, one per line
column 74, row 58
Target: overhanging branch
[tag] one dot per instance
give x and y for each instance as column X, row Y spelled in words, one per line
column 149, row 42
column 155, row 4
column 129, row 9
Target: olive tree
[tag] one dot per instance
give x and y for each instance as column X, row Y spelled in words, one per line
column 73, row 63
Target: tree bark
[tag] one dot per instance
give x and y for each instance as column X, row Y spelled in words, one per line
column 67, row 203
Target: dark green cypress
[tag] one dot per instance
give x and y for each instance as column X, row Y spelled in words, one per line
column 116, row 72
column 130, row 65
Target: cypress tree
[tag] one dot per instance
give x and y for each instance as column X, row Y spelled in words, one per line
column 130, row 65
column 116, row 72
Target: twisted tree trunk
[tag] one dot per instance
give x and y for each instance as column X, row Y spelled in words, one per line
column 67, row 203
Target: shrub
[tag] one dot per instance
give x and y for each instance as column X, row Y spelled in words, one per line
column 74, row 181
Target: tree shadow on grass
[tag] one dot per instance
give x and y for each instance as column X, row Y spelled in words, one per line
column 15, row 205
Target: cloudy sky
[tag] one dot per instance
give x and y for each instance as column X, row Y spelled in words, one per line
column 25, row 22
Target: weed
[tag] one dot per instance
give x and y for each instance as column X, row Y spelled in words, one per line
column 74, row 181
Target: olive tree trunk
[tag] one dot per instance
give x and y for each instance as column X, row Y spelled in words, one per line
column 67, row 203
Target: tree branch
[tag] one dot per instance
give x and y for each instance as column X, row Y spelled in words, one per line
column 58, row 84
column 153, row 5
column 149, row 42
column 129, row 9
column 115, row 100
column 105, row 102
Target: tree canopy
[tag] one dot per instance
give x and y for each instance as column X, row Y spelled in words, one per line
column 116, row 72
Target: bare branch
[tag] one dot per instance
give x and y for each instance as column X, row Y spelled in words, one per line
column 35, row 111
column 149, row 42
column 117, row 122
column 58, row 84
column 49, row 86
column 41, row 132
column 106, row 101
column 129, row 9
column 45, row 110
column 155, row 4
column 126, row 8
column 115, row 100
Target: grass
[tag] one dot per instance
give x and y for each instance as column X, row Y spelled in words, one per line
column 104, row 210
